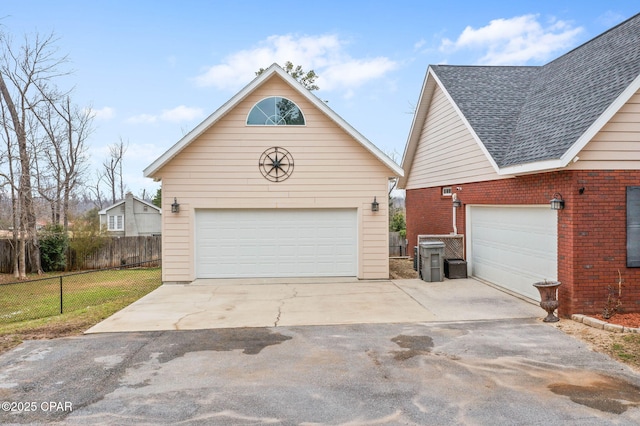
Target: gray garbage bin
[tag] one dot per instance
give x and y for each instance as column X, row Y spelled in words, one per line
column 432, row 261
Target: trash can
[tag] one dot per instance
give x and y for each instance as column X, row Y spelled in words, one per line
column 415, row 258
column 455, row 268
column 432, row 261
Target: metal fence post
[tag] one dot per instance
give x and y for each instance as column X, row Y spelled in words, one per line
column 60, row 293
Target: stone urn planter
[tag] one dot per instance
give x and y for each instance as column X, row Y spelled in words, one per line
column 548, row 298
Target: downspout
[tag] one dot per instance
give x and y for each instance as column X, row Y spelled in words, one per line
column 454, row 198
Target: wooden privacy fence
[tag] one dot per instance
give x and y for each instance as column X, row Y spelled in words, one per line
column 6, row 257
column 116, row 251
column 112, row 252
column 397, row 245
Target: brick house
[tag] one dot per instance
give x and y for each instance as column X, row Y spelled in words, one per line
column 506, row 140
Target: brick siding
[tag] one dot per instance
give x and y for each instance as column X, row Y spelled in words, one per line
column 591, row 228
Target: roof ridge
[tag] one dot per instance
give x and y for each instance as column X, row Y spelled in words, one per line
column 626, row 21
column 572, row 91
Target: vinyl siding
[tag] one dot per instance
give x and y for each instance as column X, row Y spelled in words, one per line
column 447, row 153
column 617, row 145
column 220, row 170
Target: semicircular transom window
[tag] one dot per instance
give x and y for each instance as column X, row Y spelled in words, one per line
column 275, row 111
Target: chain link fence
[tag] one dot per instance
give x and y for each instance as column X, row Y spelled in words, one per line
column 45, row 297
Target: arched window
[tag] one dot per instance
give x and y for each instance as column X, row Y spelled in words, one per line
column 275, row 111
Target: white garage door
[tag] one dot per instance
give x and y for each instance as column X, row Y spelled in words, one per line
column 276, row 243
column 514, row 247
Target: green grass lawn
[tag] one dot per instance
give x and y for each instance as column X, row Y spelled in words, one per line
column 31, row 310
column 42, row 297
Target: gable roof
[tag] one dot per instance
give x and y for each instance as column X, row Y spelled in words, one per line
column 153, row 206
column 535, row 118
column 274, row 69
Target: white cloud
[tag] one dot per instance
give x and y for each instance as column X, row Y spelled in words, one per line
column 515, row 41
column 178, row 114
column 181, row 113
column 610, row 19
column 142, row 118
column 325, row 54
column 145, row 152
column 354, row 73
column 105, row 113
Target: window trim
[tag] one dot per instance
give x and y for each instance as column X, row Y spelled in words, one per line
column 446, row 191
column 118, row 219
column 632, row 227
column 304, row 119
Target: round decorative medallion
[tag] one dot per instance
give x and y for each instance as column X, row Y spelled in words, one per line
column 276, row 164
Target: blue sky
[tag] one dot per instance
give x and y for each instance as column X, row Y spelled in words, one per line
column 153, row 70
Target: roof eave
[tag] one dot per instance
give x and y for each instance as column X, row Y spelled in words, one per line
column 150, row 170
column 601, row 121
column 154, row 167
column 419, row 116
column 104, row 211
column 572, row 154
column 528, row 168
column 366, row 143
column 418, row 123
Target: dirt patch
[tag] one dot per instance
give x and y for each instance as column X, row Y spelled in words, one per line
column 52, row 330
column 623, row 347
column 401, row 269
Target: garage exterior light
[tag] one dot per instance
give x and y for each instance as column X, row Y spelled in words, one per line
column 175, row 207
column 375, row 206
column 557, row 203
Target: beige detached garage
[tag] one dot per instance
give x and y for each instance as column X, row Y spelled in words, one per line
column 274, row 184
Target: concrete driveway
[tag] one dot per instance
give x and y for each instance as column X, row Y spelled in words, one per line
column 207, row 304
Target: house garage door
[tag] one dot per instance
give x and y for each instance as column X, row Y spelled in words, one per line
column 513, row 247
column 276, row 243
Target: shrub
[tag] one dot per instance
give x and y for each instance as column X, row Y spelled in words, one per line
column 88, row 237
column 53, row 248
column 398, row 224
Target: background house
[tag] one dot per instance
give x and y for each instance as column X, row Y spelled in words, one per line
column 131, row 217
column 274, row 184
column 507, row 140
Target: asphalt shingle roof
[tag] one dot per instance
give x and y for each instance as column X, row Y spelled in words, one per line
column 529, row 114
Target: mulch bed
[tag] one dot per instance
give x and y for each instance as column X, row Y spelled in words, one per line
column 626, row 320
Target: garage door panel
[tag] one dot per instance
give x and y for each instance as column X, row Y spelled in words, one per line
column 514, row 247
column 276, row 243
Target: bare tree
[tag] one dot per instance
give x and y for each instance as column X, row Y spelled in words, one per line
column 112, row 168
column 95, row 190
column 9, row 180
column 67, row 128
column 25, row 73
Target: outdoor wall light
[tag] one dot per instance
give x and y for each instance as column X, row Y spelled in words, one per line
column 557, row 203
column 375, row 206
column 175, row 207
column 456, row 201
